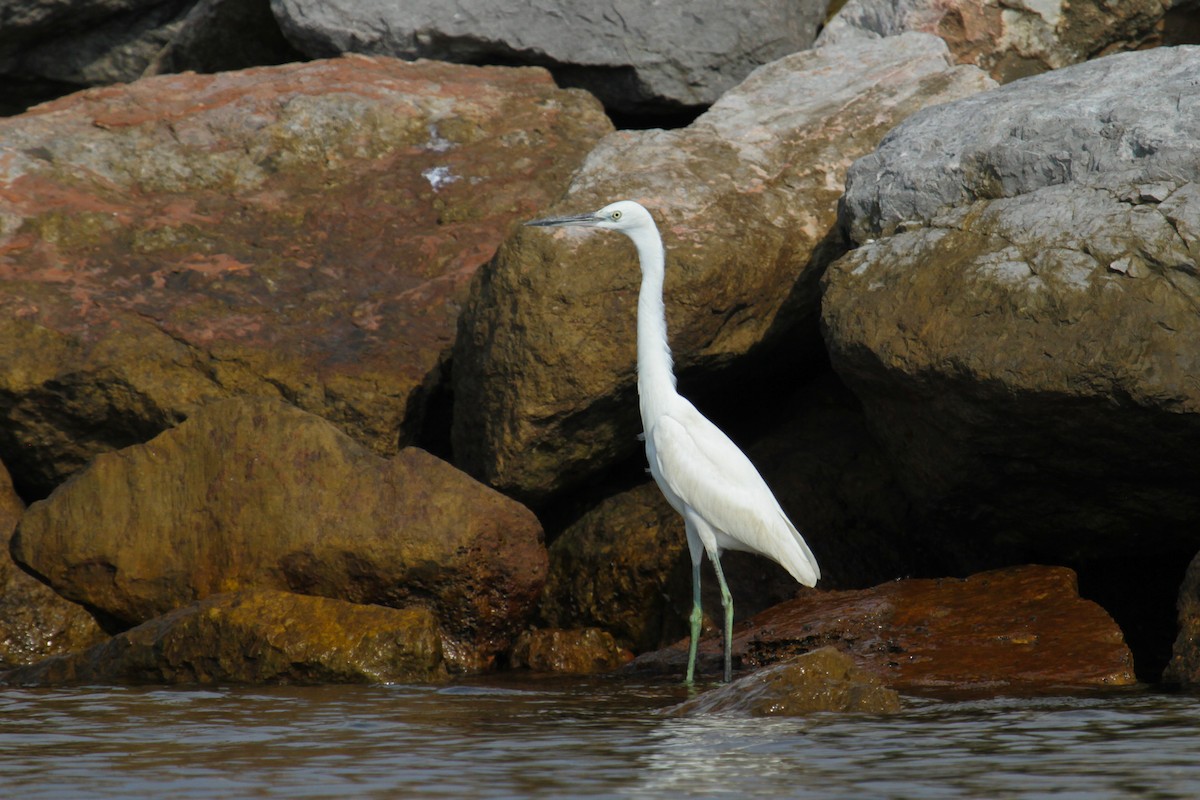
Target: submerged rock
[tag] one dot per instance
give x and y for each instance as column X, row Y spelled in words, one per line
column 746, row 197
column 1023, row 629
column 822, row 680
column 35, row 622
column 257, row 494
column 258, row 637
column 579, row 651
column 306, row 231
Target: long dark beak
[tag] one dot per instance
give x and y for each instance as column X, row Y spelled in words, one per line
column 574, row 219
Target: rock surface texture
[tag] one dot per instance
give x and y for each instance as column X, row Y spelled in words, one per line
column 580, row 651
column 544, row 367
column 258, row 637
column 1020, row 320
column 35, row 622
column 1184, row 667
column 306, row 231
column 1008, row 39
column 1023, row 629
column 823, row 680
column 251, row 494
column 635, row 56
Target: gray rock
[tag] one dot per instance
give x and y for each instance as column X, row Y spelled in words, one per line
column 1117, row 122
column 633, row 54
column 1024, row 334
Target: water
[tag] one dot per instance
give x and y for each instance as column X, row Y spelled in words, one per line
column 580, row 739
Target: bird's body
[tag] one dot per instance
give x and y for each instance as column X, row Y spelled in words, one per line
column 724, row 502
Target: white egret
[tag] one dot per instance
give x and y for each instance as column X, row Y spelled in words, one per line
column 724, row 502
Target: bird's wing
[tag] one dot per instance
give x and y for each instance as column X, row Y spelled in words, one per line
column 712, row 476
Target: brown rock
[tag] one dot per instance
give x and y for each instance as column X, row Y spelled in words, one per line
column 822, row 680
column 1009, row 40
column 305, row 231
column 1023, row 629
column 258, row 494
column 258, row 637
column 577, row 652
column 746, row 198
column 611, row 569
column 1184, row 667
column 35, row 622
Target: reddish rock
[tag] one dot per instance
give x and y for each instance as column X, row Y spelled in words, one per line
column 577, row 652
column 1009, row 40
column 305, row 231
column 258, row 637
column 823, row 680
column 258, row 494
column 35, row 622
column 1023, row 629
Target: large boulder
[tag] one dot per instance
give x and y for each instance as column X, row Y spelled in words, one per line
column 746, row 197
column 636, row 57
column 35, row 622
column 257, row 494
column 1020, row 321
column 306, row 231
column 1022, row 629
column 48, row 49
column 1184, row 667
column 1008, row 39
column 258, row 637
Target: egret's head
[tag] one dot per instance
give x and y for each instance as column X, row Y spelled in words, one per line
column 624, row 215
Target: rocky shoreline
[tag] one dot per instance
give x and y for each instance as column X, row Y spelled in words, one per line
column 288, row 395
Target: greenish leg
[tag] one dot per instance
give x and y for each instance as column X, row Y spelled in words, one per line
column 695, row 619
column 727, row 604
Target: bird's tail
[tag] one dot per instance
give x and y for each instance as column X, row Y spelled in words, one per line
column 796, row 558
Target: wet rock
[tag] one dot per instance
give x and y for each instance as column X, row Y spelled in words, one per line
column 636, row 57
column 256, row 494
column 822, row 680
column 1022, row 629
column 580, row 651
column 306, row 231
column 623, row 565
column 35, row 622
column 1020, row 320
column 611, row 569
column 258, row 637
column 544, row 367
column 1184, row 667
column 1008, row 39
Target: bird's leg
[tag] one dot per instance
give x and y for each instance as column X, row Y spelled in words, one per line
column 695, row 619
column 727, row 604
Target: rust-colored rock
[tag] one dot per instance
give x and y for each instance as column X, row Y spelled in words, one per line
column 1023, row 629
column 306, row 231
column 35, row 622
column 822, row 680
column 258, row 494
column 580, row 651
column 258, row 637
column 746, row 197
column 1009, row 40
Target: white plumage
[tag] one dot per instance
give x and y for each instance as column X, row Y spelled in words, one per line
column 725, row 503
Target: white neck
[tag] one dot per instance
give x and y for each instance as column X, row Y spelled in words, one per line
column 656, row 381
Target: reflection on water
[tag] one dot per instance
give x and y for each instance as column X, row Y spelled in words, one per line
column 582, row 738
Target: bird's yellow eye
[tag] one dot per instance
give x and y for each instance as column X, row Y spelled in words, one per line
column 614, row 216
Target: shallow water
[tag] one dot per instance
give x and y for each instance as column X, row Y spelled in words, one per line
column 580, row 738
